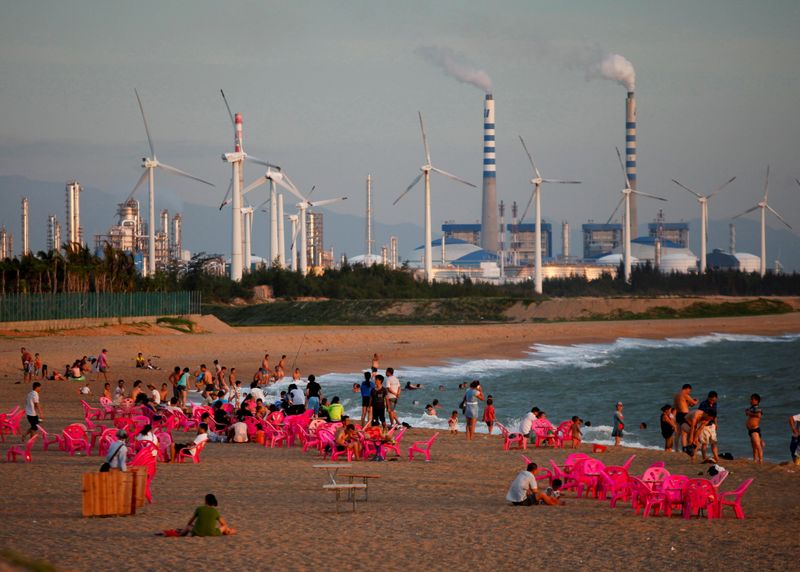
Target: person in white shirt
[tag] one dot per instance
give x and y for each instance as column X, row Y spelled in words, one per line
column 256, row 392
column 526, row 424
column 393, row 387
column 297, row 398
column 155, row 395
column 33, row 409
column 191, row 448
column 523, row 490
column 147, row 435
column 117, row 455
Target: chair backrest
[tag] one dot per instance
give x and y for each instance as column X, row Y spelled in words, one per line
column 400, row 435
column 164, row 439
column 564, row 429
column 642, row 489
column 627, row 464
column 432, row 439
column 699, row 493
column 75, row 431
column 145, row 455
column 503, row 431
column 717, row 479
column 617, row 474
column 105, row 401
column 593, row 466
column 125, row 423
column 574, row 458
column 31, row 441
column 740, row 490
column 656, row 474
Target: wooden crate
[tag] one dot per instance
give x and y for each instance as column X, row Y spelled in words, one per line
column 140, row 483
column 109, row 494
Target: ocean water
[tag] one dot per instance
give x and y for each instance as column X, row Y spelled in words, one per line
column 588, row 379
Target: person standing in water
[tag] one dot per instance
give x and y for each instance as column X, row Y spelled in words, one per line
column 618, row 424
column 473, row 395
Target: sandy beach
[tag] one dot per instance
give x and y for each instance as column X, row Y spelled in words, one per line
column 443, row 514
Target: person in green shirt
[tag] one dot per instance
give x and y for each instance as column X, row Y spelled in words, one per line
column 335, row 410
column 204, row 521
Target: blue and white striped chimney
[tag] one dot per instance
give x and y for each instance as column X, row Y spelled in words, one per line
column 489, row 230
column 630, row 155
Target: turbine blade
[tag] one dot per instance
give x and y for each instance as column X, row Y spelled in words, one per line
column 227, row 199
column 619, row 204
column 687, row 188
column 311, row 192
column 766, row 184
column 171, row 169
column 622, row 166
column 527, row 208
column 287, row 184
column 452, row 176
column 146, row 128
column 748, row 211
column 728, row 182
column 255, row 184
column 648, row 195
column 137, row 185
column 530, row 157
column 408, row 188
column 797, row 181
column 262, row 162
column 327, row 202
column 773, row 211
column 228, row 107
column 561, row 182
column 265, row 203
column 424, row 139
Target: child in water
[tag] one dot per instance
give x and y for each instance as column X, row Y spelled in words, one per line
column 753, row 424
column 452, row 423
column 488, row 414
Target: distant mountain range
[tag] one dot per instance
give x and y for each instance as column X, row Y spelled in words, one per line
column 207, row 229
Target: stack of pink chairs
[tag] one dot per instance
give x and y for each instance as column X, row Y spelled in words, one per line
column 9, row 422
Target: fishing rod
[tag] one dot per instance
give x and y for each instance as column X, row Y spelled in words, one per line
column 294, row 362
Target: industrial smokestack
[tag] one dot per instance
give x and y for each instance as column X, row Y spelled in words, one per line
column 369, row 219
column 489, row 238
column 565, row 240
column 630, row 155
column 74, row 231
column 5, row 251
column 177, row 236
column 514, row 235
column 26, row 248
column 393, row 252
column 53, row 233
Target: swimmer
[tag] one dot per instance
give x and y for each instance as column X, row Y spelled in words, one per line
column 412, row 386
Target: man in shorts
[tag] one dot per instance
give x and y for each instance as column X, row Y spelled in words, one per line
column 27, row 365
column 393, row 387
column 102, row 365
column 683, row 401
column 708, row 435
column 33, row 409
column 366, row 396
column 378, row 401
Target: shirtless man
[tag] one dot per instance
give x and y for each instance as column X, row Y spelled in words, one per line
column 265, row 370
column 753, row 424
column 280, row 369
column 683, row 401
column 692, row 426
column 204, row 379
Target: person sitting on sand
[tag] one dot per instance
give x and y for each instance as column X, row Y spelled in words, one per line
column 204, row 521
column 140, row 360
column 523, row 489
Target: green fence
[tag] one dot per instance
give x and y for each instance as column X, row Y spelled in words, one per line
column 64, row 306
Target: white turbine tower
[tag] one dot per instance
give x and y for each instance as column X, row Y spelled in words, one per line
column 237, row 160
column 293, row 248
column 302, row 207
column 764, row 206
column 703, row 200
column 247, row 221
column 276, row 179
column 150, row 164
column 536, row 198
column 426, row 172
column 626, row 227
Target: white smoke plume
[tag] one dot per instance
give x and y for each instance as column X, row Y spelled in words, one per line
column 456, row 65
column 617, row 68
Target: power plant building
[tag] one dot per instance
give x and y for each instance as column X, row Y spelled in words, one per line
column 523, row 245
column 600, row 239
column 677, row 232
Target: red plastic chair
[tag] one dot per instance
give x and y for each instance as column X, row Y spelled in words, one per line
column 615, row 484
column 146, row 458
column 12, row 422
column 542, row 474
column 76, row 440
column 105, row 440
column 673, row 487
column 733, row 499
column 423, row 447
column 510, row 438
column 15, row 450
column 563, row 433
column 49, row 439
column 192, row 453
column 395, row 447
column 90, row 412
column 336, row 454
column 648, row 499
column 545, row 433
column 627, row 464
column 699, row 495
column 654, row 475
column 109, row 411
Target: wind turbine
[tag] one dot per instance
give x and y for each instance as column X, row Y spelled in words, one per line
column 536, row 197
column 626, row 227
column 703, row 200
column 237, row 160
column 426, row 172
column 302, row 207
column 276, row 179
column 762, row 204
column 150, row 164
column 247, row 219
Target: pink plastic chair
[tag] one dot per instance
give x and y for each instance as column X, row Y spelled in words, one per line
column 542, row 474
column 76, row 440
column 586, row 475
column 733, row 499
column 12, row 422
column 654, row 475
column 395, row 447
column 90, row 412
column 563, row 433
column 336, row 454
column 648, row 499
column 699, row 495
column 510, row 439
column 192, row 453
column 627, row 464
column 15, row 450
column 614, row 483
column 49, row 439
column 545, row 433
column 145, row 458
column 718, row 479
column 164, row 445
column 109, row 411
column 423, row 447
column 273, row 435
column 673, row 487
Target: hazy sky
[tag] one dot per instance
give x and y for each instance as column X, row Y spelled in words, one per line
column 330, row 91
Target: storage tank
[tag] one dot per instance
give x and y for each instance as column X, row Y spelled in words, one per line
column 748, row 262
column 678, row 262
